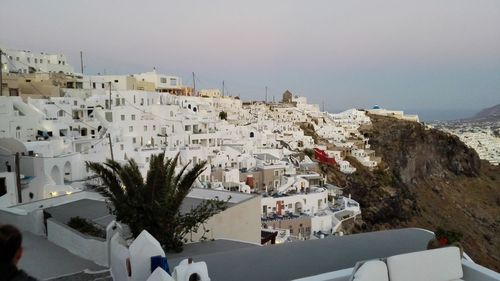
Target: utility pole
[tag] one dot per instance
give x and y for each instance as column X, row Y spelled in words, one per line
column 18, row 179
column 110, row 95
column 81, row 61
column 194, row 86
column 1, row 70
column 266, row 94
column 111, row 147
column 222, row 88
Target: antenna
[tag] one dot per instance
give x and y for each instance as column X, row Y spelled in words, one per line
column 266, row 94
column 222, row 88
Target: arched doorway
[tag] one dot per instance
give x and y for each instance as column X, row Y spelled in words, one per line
column 55, row 174
column 298, row 207
column 67, row 172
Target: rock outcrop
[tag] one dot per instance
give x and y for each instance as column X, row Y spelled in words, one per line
column 427, row 179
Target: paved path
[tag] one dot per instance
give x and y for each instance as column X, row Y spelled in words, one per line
column 43, row 259
column 86, row 276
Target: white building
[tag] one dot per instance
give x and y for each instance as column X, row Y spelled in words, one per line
column 20, row 61
column 162, row 82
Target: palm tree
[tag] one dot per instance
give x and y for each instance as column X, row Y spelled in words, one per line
column 154, row 203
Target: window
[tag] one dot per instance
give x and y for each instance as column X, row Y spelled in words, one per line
column 145, row 128
column 130, row 128
column 93, row 85
column 28, row 59
column 17, row 58
column 102, row 85
column 173, row 81
column 63, row 63
column 123, row 117
column 163, row 80
column 154, row 127
column 36, row 60
column 132, row 116
column 41, row 61
column 134, row 140
column 75, row 103
column 116, row 81
column 121, row 146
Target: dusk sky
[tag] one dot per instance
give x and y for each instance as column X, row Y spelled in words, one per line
column 421, row 56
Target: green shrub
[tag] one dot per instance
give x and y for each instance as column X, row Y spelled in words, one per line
column 86, row 227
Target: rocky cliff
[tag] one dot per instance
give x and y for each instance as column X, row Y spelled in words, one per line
column 427, row 179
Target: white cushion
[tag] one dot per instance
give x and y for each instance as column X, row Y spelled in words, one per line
column 372, row 271
column 443, row 264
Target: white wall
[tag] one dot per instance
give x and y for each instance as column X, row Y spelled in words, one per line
column 321, row 223
column 118, row 256
column 32, row 222
column 87, row 247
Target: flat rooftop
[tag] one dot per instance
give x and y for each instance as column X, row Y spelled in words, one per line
column 94, row 210
column 98, row 212
column 230, row 260
column 43, row 259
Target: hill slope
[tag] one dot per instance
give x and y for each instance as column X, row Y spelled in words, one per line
column 488, row 114
column 427, row 179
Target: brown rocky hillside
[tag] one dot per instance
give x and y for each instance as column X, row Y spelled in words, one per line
column 427, row 179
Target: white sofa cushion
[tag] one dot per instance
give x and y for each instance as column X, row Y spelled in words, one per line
column 443, row 264
column 372, row 271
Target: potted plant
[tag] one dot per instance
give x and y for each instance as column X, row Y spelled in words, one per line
column 445, row 238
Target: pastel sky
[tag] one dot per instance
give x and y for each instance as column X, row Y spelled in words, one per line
column 421, row 56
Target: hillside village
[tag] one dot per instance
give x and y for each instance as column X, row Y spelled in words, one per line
column 262, row 157
column 483, row 136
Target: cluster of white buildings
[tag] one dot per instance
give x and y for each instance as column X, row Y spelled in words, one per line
column 255, row 149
